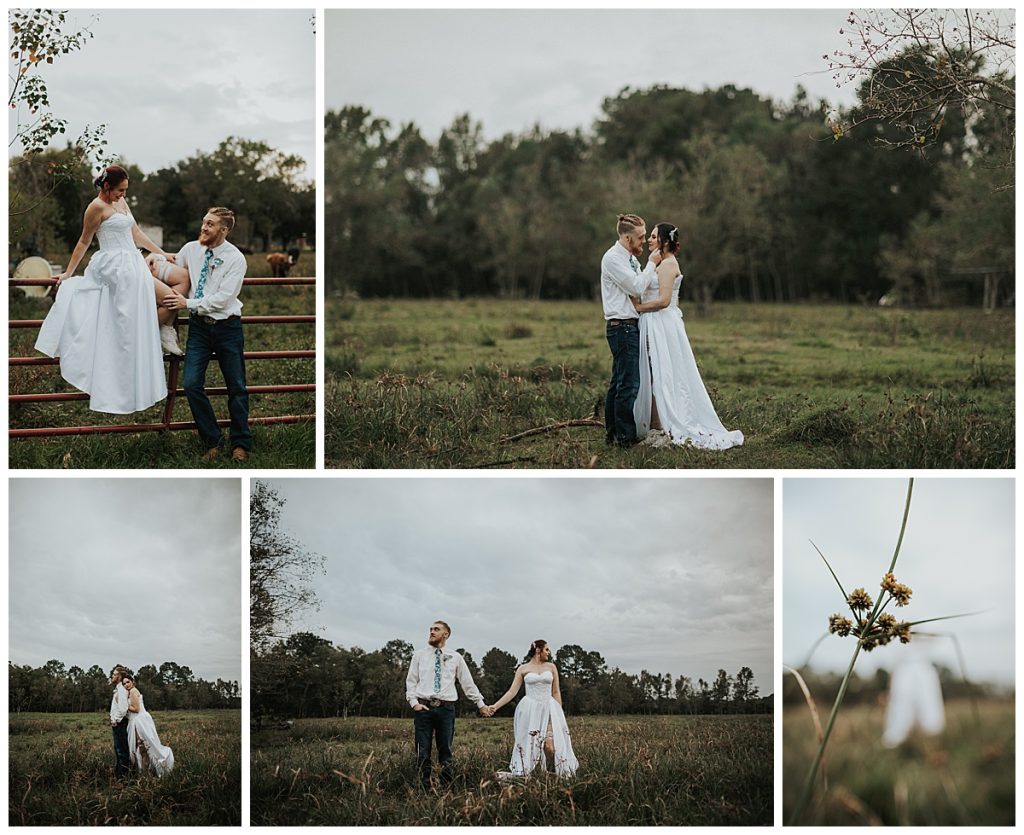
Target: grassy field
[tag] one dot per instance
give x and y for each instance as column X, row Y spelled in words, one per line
column 446, row 383
column 62, row 772
column 276, row 446
column 661, row 770
column 964, row 777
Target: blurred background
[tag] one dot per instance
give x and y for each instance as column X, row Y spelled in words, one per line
column 925, row 734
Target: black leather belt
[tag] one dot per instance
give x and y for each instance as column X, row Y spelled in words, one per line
column 616, row 322
column 433, row 702
column 209, row 320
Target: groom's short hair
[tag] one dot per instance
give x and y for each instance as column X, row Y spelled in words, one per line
column 118, row 668
column 225, row 216
column 447, row 628
column 629, row 223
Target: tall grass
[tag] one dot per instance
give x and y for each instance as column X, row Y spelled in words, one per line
column 62, row 772
column 659, row 770
column 445, row 383
column 964, row 777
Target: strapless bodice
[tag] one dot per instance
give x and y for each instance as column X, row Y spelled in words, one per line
column 115, row 233
column 654, row 288
column 538, row 685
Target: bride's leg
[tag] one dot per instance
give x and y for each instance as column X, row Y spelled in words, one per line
column 165, row 316
column 549, row 749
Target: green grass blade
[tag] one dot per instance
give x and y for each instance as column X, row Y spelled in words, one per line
column 903, row 526
column 947, row 617
column 830, row 571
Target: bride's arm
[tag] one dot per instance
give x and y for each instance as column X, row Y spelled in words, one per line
column 143, row 241
column 556, row 691
column 90, row 223
column 133, row 701
column 665, row 283
column 517, row 682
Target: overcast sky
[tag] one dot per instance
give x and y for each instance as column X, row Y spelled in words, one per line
column 957, row 556
column 669, row 575
column 129, row 571
column 169, row 83
column 511, row 69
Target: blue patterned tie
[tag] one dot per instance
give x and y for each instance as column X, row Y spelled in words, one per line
column 204, row 274
column 437, row 671
column 634, row 264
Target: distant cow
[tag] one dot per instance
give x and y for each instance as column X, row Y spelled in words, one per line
column 281, row 262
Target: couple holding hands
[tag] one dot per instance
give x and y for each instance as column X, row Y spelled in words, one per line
column 541, row 732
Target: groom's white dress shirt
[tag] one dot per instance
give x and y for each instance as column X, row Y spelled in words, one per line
column 118, row 704
column 419, row 684
column 223, row 281
column 620, row 279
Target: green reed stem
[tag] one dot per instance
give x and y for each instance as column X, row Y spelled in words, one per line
column 812, row 773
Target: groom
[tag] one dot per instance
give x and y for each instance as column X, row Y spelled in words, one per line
column 119, row 721
column 621, row 278
column 216, row 269
column 430, row 691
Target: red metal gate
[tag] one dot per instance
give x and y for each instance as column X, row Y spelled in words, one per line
column 173, row 392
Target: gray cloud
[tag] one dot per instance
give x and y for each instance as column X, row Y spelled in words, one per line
column 135, row 571
column 668, row 575
column 511, row 69
column 170, row 82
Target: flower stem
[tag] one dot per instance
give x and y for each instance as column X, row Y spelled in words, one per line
column 812, row 774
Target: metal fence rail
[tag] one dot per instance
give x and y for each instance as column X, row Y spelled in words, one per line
column 174, row 369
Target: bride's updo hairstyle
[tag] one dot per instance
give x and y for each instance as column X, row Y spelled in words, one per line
column 111, row 177
column 536, row 647
column 668, row 238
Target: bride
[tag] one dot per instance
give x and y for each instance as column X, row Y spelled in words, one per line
column 540, row 728
column 672, row 397
column 144, row 746
column 104, row 325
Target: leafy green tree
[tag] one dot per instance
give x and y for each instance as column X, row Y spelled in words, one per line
column 280, row 569
column 37, row 38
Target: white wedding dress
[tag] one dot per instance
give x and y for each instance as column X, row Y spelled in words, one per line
column 669, row 371
column 104, row 328
column 141, row 726
column 535, row 711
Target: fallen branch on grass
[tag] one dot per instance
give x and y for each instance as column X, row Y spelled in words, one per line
column 565, row 424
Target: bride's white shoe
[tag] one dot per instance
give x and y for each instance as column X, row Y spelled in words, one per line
column 169, row 341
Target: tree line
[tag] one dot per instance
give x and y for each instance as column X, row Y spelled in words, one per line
column 273, row 205
column 872, row 689
column 305, row 675
column 775, row 201
column 56, row 688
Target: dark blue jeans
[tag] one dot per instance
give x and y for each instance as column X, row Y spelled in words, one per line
column 624, row 340
column 436, row 724
column 123, row 763
column 225, row 340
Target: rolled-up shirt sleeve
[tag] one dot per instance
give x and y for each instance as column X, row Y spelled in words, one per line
column 621, row 273
column 412, row 681
column 468, row 685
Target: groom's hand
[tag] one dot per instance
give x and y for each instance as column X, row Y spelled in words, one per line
column 175, row 301
column 418, row 707
column 657, row 257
